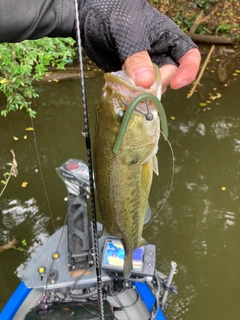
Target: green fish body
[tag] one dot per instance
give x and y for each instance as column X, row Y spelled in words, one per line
column 123, row 180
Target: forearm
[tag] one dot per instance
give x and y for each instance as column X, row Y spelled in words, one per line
column 34, row 19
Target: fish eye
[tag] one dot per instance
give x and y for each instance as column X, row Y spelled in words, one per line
column 134, row 161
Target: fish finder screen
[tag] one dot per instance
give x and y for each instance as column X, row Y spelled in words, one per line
column 113, row 256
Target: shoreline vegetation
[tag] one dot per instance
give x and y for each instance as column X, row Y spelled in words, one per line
column 211, row 21
column 208, row 22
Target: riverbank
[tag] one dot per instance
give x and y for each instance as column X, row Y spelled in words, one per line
column 205, row 18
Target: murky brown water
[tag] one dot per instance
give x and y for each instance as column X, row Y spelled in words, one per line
column 198, row 227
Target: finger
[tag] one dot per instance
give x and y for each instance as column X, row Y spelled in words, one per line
column 187, row 70
column 167, row 72
column 139, row 68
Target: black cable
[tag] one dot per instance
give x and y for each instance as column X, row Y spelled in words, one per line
column 69, row 291
column 81, row 296
column 130, row 305
column 124, row 307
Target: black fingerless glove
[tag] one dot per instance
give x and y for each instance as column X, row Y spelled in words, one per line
column 112, row 30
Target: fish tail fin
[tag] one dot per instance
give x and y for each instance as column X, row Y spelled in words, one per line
column 127, row 269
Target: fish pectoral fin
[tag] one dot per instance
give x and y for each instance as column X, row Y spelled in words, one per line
column 143, row 242
column 127, row 269
column 155, row 164
column 148, row 214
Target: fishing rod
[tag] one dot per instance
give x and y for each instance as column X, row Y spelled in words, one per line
column 86, row 134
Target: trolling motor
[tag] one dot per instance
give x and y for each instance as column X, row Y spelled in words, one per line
column 74, row 174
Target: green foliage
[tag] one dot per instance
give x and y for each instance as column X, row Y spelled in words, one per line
column 225, row 29
column 184, row 22
column 22, row 63
column 24, row 242
column 205, row 4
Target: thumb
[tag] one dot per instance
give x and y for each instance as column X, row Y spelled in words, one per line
column 139, row 67
column 187, row 70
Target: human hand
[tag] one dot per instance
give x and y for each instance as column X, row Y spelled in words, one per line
column 130, row 34
column 139, row 67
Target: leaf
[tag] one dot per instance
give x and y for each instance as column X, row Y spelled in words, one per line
column 218, row 95
column 3, row 182
column 24, row 242
column 6, row 174
column 29, row 129
column 24, row 184
column 2, row 81
column 9, row 164
column 25, row 137
column 15, row 138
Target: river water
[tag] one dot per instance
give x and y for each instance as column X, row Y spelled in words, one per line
column 199, row 225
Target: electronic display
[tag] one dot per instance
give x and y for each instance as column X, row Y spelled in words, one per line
column 113, row 258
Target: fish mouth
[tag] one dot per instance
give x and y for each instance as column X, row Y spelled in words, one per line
column 124, row 85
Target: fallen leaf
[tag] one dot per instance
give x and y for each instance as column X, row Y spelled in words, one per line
column 29, row 129
column 172, row 118
column 24, row 184
column 223, row 188
column 218, row 95
column 15, row 138
column 25, row 137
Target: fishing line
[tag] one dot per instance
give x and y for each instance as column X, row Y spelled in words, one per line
column 89, row 157
column 171, row 182
column 41, row 174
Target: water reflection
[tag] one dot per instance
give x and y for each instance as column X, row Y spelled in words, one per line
column 17, row 212
column 222, row 129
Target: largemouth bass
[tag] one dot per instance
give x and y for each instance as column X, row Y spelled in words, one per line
column 123, row 179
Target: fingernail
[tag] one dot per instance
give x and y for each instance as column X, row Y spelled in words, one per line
column 181, row 83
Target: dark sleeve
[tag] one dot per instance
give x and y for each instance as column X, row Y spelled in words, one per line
column 34, row 19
